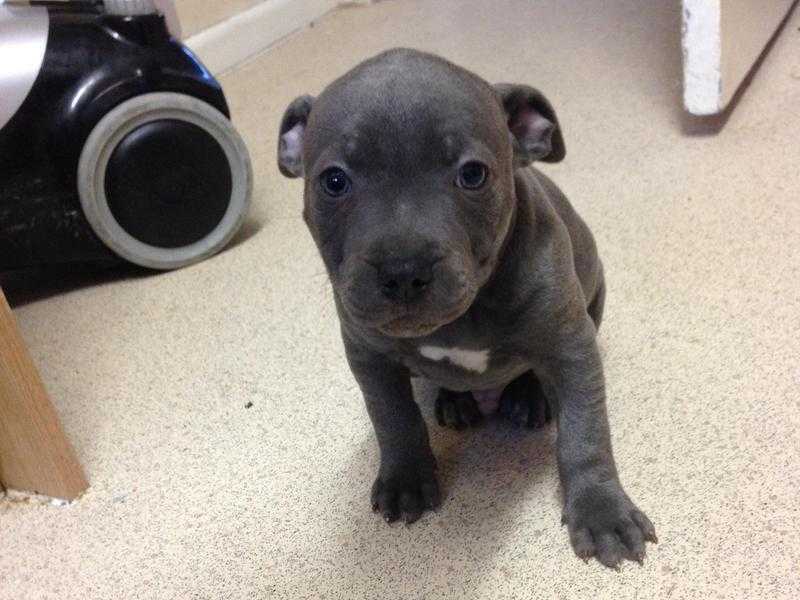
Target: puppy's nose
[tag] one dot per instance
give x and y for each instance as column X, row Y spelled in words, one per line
column 405, row 280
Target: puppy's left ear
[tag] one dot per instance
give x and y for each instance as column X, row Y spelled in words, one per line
column 533, row 124
column 291, row 136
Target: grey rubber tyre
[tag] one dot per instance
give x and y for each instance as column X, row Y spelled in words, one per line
column 113, row 128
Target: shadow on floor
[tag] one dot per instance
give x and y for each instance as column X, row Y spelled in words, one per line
column 39, row 283
column 487, row 476
column 249, row 229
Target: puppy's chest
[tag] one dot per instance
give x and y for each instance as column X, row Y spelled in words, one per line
column 464, row 358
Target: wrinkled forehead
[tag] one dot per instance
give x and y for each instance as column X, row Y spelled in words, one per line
column 409, row 126
column 410, row 137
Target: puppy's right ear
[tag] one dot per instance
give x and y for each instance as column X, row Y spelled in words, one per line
column 291, row 134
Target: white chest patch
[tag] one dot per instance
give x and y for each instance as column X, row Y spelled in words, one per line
column 471, row 360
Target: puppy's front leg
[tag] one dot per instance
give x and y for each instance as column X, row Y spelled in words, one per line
column 602, row 520
column 406, row 484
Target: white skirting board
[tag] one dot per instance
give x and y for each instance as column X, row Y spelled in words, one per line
column 244, row 35
column 722, row 39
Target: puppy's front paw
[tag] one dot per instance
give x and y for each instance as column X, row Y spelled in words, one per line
column 603, row 522
column 524, row 404
column 405, row 493
column 457, row 410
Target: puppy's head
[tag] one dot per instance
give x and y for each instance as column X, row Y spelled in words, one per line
column 408, row 163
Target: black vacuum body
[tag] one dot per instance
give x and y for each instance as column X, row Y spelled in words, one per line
column 115, row 141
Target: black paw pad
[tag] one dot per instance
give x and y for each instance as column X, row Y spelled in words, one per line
column 457, row 410
column 524, row 404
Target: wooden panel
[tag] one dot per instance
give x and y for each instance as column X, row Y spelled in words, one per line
column 722, row 40
column 35, row 456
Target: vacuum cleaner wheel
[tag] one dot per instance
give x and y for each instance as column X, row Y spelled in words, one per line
column 165, row 180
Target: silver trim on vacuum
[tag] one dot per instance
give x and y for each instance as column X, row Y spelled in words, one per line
column 23, row 41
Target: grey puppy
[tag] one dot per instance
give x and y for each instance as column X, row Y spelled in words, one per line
column 453, row 259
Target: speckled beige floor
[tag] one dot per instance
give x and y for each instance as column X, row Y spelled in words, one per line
column 195, row 496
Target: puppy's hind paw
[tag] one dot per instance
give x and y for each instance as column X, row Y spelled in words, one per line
column 457, row 410
column 524, row 404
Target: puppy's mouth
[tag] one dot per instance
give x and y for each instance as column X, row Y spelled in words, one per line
column 408, row 327
column 412, row 325
column 365, row 303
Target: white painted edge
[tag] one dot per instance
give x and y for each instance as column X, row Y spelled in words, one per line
column 231, row 42
column 701, row 39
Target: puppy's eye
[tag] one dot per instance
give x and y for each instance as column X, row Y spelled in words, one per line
column 335, row 182
column 472, row 175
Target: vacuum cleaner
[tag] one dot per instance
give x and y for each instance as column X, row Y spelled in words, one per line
column 115, row 141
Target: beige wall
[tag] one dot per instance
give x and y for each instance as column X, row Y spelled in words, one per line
column 746, row 26
column 196, row 15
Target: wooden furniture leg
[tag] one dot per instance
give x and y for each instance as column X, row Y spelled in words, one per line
column 35, row 456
